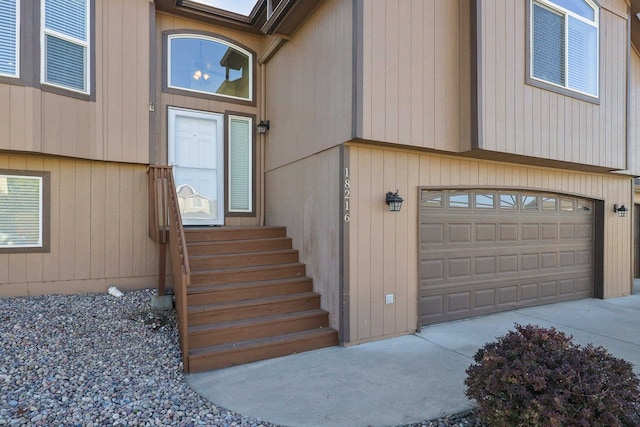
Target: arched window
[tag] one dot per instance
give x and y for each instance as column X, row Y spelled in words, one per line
column 209, row 65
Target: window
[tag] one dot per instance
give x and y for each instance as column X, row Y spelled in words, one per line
column 23, row 213
column 240, row 164
column 65, row 44
column 9, row 37
column 207, row 65
column 564, row 44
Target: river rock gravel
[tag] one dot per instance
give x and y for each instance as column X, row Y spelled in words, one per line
column 99, row 360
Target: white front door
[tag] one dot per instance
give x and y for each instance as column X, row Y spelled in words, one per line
column 197, row 154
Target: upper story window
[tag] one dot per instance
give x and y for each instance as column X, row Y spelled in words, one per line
column 9, row 37
column 65, row 44
column 564, row 44
column 208, row 65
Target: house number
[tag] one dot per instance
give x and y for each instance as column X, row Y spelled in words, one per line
column 347, row 194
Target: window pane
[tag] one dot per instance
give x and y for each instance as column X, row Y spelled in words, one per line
column 566, row 205
column 459, row 200
column 529, row 202
column 508, row 201
column 549, row 203
column 548, row 45
column 8, row 38
column 485, row 201
column 431, row 199
column 579, row 7
column 240, row 165
column 584, row 206
column 208, row 66
column 20, row 211
column 68, row 17
column 583, row 56
column 64, row 63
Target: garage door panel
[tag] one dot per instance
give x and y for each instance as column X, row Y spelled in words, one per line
column 480, row 260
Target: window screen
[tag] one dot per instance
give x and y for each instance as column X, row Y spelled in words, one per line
column 9, row 39
column 564, row 44
column 65, row 43
column 21, row 211
column 240, row 164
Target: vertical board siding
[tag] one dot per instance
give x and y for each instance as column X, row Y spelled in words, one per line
column 634, row 107
column 411, row 73
column 98, row 230
column 383, row 250
column 526, row 120
column 113, row 127
column 309, row 87
column 302, row 195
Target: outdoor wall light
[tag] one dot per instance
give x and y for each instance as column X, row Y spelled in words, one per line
column 621, row 210
column 263, row 126
column 394, row 201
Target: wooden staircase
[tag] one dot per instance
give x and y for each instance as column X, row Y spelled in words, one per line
column 249, row 298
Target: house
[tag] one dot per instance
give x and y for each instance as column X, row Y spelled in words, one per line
column 505, row 126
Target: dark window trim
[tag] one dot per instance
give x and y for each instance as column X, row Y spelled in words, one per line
column 46, row 211
column 253, row 213
column 548, row 86
column 192, row 94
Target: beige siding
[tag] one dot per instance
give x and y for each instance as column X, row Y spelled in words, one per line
column 411, row 73
column 634, row 107
column 98, row 230
column 383, row 246
column 309, row 87
column 521, row 119
column 116, row 126
column 302, row 196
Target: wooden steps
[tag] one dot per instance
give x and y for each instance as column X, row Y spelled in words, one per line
column 249, row 298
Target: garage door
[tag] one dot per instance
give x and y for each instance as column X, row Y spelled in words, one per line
column 487, row 251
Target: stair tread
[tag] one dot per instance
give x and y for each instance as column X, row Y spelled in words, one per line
column 250, row 302
column 225, row 286
column 249, row 269
column 252, row 321
column 253, row 343
column 231, row 242
column 247, row 254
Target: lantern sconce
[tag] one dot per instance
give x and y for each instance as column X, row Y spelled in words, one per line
column 620, row 210
column 263, row 126
column 394, row 201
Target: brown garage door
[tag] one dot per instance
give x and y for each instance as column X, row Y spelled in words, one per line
column 487, row 251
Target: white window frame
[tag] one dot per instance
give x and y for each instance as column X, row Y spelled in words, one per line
column 230, row 168
column 552, row 6
column 172, row 37
column 41, row 244
column 44, row 32
column 17, row 46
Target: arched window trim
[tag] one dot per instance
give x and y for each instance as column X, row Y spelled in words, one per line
column 216, row 38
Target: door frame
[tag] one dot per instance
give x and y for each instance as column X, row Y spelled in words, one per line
column 173, row 113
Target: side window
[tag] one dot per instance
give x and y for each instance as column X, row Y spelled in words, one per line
column 9, row 38
column 65, row 44
column 24, row 218
column 564, row 44
column 208, row 65
column 240, row 153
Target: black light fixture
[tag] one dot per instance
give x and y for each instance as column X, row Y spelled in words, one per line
column 620, row 210
column 263, row 126
column 394, row 201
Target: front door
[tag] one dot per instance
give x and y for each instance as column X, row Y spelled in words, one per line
column 196, row 153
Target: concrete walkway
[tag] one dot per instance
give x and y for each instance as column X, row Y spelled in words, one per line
column 407, row 379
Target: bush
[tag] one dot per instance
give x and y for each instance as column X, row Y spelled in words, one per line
column 539, row 377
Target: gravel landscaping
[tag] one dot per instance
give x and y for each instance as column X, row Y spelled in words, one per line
column 95, row 360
